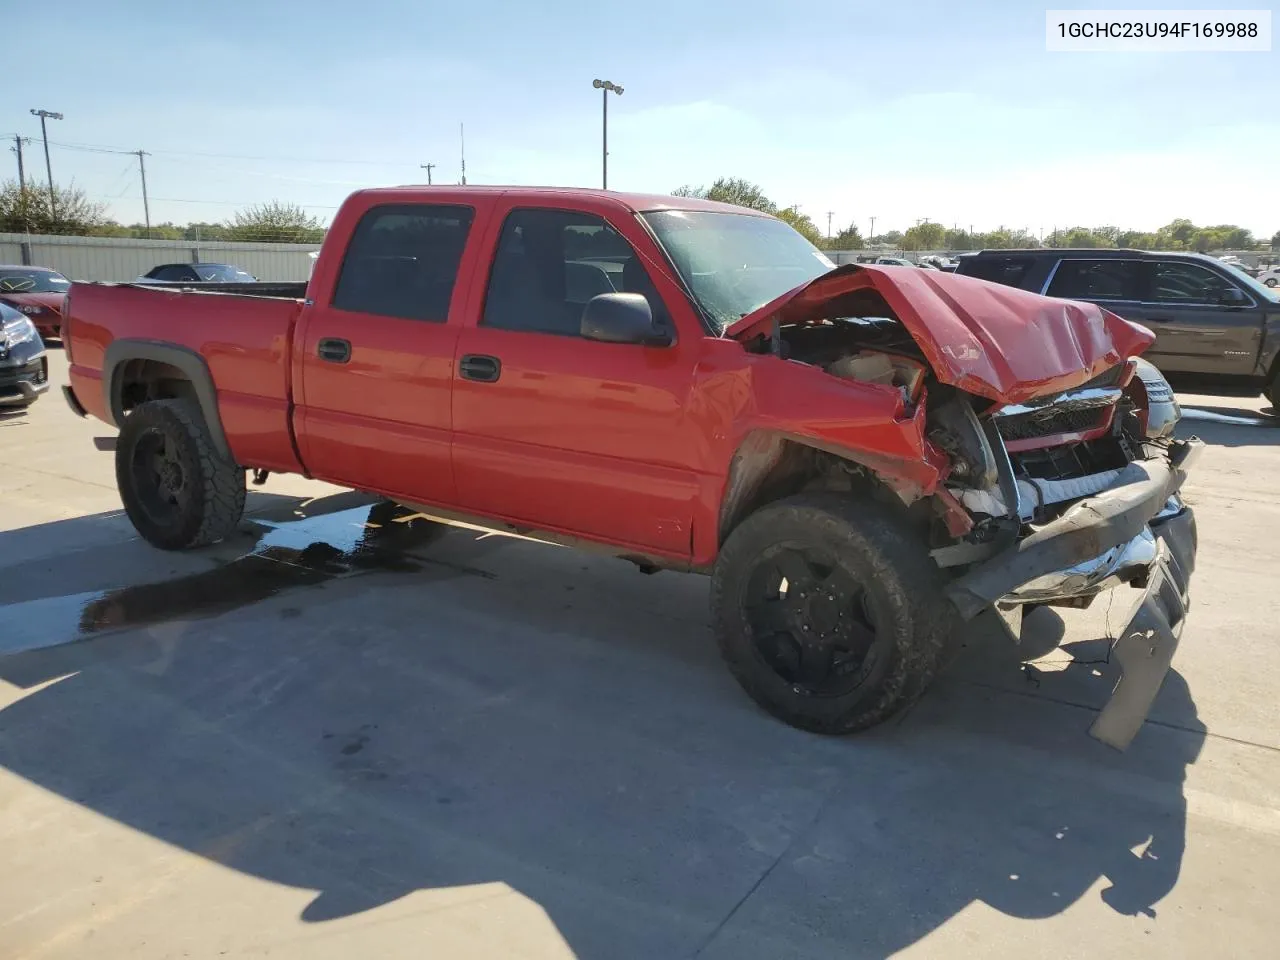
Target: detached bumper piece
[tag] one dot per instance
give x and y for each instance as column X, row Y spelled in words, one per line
column 1137, row 532
column 1145, row 648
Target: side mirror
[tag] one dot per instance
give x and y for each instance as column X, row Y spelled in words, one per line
column 1233, row 297
column 622, row 318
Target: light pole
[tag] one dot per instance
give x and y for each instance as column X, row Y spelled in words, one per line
column 604, row 86
column 48, row 167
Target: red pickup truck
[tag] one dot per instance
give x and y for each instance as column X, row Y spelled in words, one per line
column 859, row 456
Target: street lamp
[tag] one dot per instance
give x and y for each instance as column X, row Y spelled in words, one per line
column 48, row 167
column 604, row 86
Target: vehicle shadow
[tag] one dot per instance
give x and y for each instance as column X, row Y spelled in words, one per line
column 564, row 727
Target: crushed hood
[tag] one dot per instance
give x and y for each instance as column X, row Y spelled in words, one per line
column 985, row 338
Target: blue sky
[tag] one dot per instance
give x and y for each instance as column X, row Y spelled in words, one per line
column 951, row 111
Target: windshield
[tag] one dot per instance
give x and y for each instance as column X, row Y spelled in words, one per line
column 1256, row 288
column 222, row 272
column 735, row 263
column 33, row 281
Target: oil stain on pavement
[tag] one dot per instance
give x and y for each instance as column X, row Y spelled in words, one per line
column 301, row 553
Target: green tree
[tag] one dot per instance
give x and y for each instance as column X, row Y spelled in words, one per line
column 1275, row 242
column 925, row 236
column 958, row 240
column 733, row 190
column 1176, row 235
column 1136, row 239
column 72, row 213
column 275, row 222
column 205, row 231
column 850, row 238
column 801, row 223
column 1082, row 237
column 893, row 237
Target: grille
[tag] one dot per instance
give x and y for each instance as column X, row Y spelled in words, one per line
column 1051, row 420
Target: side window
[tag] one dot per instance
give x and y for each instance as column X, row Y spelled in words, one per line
column 175, row 274
column 549, row 263
column 402, row 261
column 1007, row 270
column 1175, row 282
column 1096, row 280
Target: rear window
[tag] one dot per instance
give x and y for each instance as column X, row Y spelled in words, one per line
column 403, row 261
column 1097, row 280
column 1007, row 270
column 33, row 281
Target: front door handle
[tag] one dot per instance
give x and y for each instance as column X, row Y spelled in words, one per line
column 334, row 350
column 476, row 366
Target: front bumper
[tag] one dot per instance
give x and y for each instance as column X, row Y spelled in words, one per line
column 1138, row 531
column 23, row 379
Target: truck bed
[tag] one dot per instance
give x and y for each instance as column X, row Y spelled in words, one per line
column 241, row 340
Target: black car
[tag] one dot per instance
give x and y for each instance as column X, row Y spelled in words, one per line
column 1209, row 318
column 24, row 369
column 186, row 273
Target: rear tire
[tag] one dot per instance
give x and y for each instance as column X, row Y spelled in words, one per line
column 177, row 490
column 841, row 638
column 1272, row 390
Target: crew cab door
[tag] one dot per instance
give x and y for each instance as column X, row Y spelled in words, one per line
column 374, row 354
column 561, row 433
column 1204, row 321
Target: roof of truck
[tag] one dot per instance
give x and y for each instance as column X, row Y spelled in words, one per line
column 635, row 202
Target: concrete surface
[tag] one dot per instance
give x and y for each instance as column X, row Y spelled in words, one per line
column 475, row 746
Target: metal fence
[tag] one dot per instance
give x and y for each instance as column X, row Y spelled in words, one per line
column 122, row 259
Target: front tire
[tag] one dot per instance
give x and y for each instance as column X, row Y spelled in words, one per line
column 177, row 490
column 828, row 612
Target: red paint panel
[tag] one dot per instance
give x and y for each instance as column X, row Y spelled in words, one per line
column 244, row 340
column 590, row 437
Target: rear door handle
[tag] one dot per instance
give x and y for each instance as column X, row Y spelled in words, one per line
column 476, row 366
column 334, row 350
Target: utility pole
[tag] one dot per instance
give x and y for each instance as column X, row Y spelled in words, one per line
column 604, row 86
column 462, row 139
column 427, row 167
column 830, row 214
column 871, row 236
column 22, row 174
column 146, row 206
column 48, row 167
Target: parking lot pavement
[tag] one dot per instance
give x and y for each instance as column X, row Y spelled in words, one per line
column 330, row 739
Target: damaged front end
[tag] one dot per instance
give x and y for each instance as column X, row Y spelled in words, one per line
column 1062, row 477
column 1085, row 498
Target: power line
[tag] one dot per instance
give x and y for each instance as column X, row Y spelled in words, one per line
column 101, row 148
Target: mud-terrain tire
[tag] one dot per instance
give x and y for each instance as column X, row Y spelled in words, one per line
column 1272, row 390
column 879, row 609
column 176, row 489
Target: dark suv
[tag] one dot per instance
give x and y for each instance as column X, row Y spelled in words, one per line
column 1209, row 318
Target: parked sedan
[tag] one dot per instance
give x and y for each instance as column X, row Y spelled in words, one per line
column 37, row 292
column 187, row 273
column 1270, row 276
column 24, row 369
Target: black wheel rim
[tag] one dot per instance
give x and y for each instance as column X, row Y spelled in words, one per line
column 159, row 477
column 812, row 622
